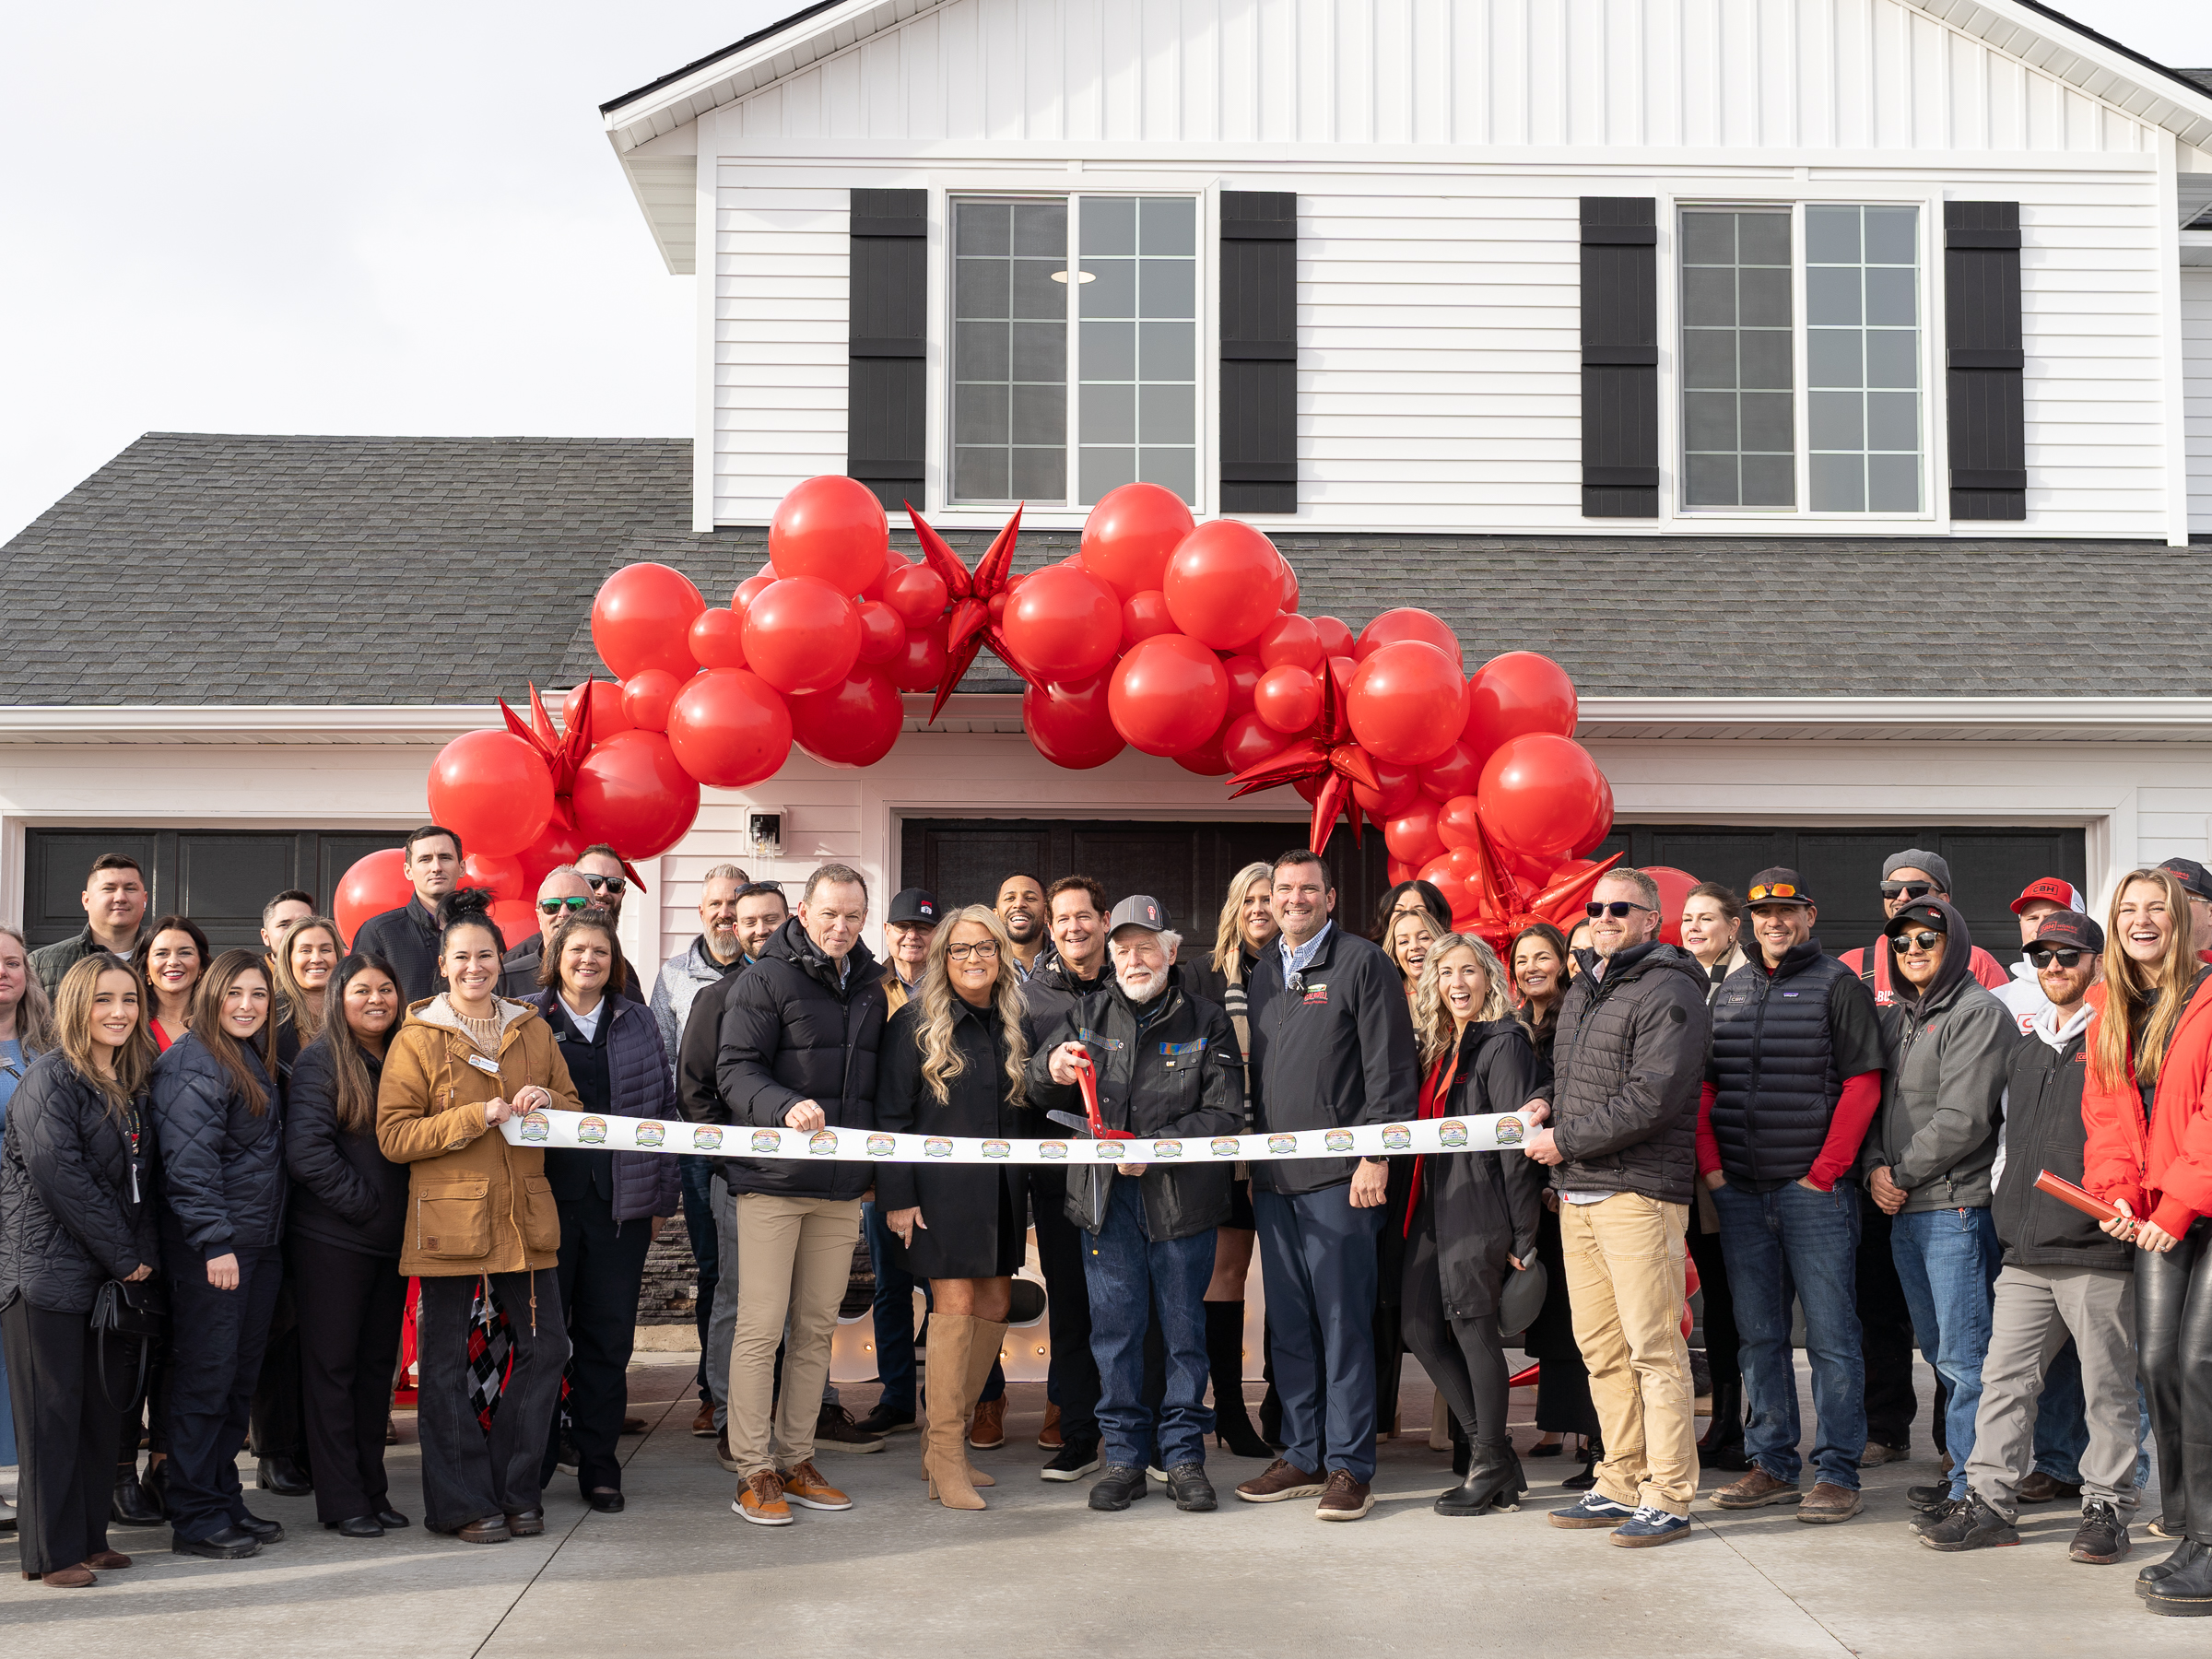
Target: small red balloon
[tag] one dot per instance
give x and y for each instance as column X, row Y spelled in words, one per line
column 1456, row 771
column 1144, row 614
column 852, row 724
column 729, row 728
column 1336, row 636
column 491, row 789
column 641, row 618
column 1130, row 533
column 750, row 589
column 1407, row 624
column 921, row 665
column 833, row 529
column 1290, row 602
column 1207, row 759
column 371, row 887
column 1450, row 876
column 917, row 594
column 802, row 635
column 646, row 696
column 1538, row 795
column 631, row 793
column 499, row 874
column 1396, row 871
column 1289, row 699
column 560, row 844
column 1071, row 725
column 1063, row 624
column 1168, row 694
column 607, row 715
column 892, row 560
column 1601, row 817
column 1223, row 584
column 882, row 634
column 1407, row 702
column 515, row 918
column 1291, row 642
column 1673, row 893
column 718, row 638
column 1458, row 823
column 1412, row 835
column 1399, row 793
column 1243, row 680
column 1248, row 740
column 1515, row 694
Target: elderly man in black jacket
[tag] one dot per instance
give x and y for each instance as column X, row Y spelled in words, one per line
column 1167, row 1065
column 798, row 1042
column 1332, row 1047
column 1628, row 1067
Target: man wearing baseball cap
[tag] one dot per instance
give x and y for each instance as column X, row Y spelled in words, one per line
column 1167, row 1065
column 1908, row 877
column 2023, row 994
column 2198, row 883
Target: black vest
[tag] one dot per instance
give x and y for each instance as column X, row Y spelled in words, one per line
column 1774, row 1065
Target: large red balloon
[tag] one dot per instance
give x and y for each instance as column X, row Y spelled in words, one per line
column 921, row 665
column 646, row 696
column 882, row 634
column 1519, row 692
column 1538, row 795
column 1456, row 771
column 1412, row 835
column 1207, row 759
column 1289, row 601
column 1336, row 636
column 1406, row 624
column 1063, row 624
column 1407, row 702
column 1071, row 724
column 1398, row 792
column 1144, row 614
column 729, row 728
column 850, row 724
column 369, row 888
column 916, row 593
column 1224, row 584
column 1289, row 697
column 802, row 635
column 607, row 715
column 560, row 844
column 499, row 874
column 1130, row 533
column 1244, row 681
column 631, row 793
column 641, row 618
column 1289, row 640
column 1248, row 740
column 1673, row 893
column 491, row 789
column 831, row 528
column 1601, row 819
column 718, row 638
column 1168, row 694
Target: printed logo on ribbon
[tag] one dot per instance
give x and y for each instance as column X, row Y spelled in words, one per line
column 649, row 1133
column 1226, row 1148
column 1110, row 1151
column 997, row 1149
column 1167, row 1149
column 536, row 1125
column 768, row 1140
column 1282, row 1143
column 1052, row 1148
column 1452, row 1133
column 1509, row 1131
column 881, row 1145
column 822, row 1143
column 1337, row 1140
column 938, row 1145
column 707, row 1137
column 1396, row 1137
column 590, row 1131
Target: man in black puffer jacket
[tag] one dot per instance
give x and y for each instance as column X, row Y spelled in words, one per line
column 1627, row 1068
column 799, row 1036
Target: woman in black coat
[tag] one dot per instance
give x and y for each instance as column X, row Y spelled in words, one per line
column 75, row 1172
column 348, row 1213
column 951, row 1064
column 1471, row 1217
column 221, row 1126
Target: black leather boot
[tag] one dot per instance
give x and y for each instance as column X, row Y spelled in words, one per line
column 2183, row 1553
column 133, row 1505
column 1494, row 1481
column 1225, row 1359
column 2186, row 1592
column 1723, row 1447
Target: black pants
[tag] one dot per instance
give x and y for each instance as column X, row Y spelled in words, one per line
column 1719, row 1314
column 348, row 1339
column 1886, row 1334
column 214, row 1347
column 602, row 1271
column 1563, row 1403
column 278, row 1424
column 1464, row 1357
column 468, row 1475
column 2173, row 1354
column 148, row 1421
column 66, row 1412
column 1060, row 1247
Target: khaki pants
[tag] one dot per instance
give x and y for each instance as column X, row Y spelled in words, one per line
column 794, row 1258
column 1625, row 1284
column 2036, row 1310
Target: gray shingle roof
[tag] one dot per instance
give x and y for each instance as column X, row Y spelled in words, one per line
column 227, row 570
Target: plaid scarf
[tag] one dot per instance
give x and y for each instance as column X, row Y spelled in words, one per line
column 490, row 1352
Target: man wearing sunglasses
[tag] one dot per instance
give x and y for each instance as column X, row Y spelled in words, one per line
column 1910, row 878
column 602, row 869
column 563, row 892
column 2062, row 1279
column 2023, row 993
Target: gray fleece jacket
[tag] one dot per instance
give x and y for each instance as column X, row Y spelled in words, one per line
column 1947, row 1051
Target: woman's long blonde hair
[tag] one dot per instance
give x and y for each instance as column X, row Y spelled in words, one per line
column 291, row 995
column 2128, row 981
column 941, row 1057
column 1432, row 1021
column 34, row 1013
column 1229, row 938
column 73, row 1022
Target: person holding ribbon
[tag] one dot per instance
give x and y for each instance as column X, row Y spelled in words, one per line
column 483, row 1230
column 952, row 1063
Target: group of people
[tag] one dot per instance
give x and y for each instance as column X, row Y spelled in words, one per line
column 286, row 1136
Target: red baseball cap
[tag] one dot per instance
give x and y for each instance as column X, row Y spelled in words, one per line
column 2051, row 888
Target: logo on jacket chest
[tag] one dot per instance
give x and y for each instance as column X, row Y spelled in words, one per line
column 1317, row 997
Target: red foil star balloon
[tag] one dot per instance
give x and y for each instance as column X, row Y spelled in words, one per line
column 969, row 624
column 1325, row 752
column 563, row 752
column 1503, row 907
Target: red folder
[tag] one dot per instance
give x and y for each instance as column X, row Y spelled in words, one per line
column 2065, row 1192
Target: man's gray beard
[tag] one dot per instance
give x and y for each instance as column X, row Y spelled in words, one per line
column 1142, row 995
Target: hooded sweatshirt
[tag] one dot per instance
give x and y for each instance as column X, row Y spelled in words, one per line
column 1947, row 1049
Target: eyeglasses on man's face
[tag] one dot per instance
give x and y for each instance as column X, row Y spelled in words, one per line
column 553, row 907
column 987, row 951
column 1617, row 909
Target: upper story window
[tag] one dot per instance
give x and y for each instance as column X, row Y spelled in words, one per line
column 1070, row 378
column 1857, row 447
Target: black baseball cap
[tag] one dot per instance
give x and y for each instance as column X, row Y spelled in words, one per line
column 2194, row 878
column 1780, row 884
column 1920, row 914
column 2071, row 929
column 914, row 906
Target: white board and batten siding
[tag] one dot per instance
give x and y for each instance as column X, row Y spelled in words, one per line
column 1438, row 151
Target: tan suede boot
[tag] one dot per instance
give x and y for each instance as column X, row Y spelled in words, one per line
column 983, row 1351
column 944, row 1457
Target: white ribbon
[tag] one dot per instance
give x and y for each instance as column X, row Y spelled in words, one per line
column 594, row 1133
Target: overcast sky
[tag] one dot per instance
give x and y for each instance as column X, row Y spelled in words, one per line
column 399, row 218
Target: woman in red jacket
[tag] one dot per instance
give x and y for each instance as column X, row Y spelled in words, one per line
column 2146, row 1104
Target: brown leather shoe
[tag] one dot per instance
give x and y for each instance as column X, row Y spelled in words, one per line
column 1827, row 1503
column 1878, row 1453
column 803, row 1485
column 70, row 1578
column 2040, row 1487
column 1344, row 1498
column 1281, row 1479
column 1049, row 1436
column 987, row 1429
column 526, row 1524
column 491, row 1529
column 635, row 1424
column 703, row 1424
column 107, row 1560
column 1755, row 1490
column 760, row 1501
column 722, row 1454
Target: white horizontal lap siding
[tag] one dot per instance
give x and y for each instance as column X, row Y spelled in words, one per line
column 780, row 339
column 2196, row 381
column 822, row 825
column 2174, row 818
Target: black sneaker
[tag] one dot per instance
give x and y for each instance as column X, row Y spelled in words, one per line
column 1970, row 1524
column 1189, row 1486
column 1122, row 1485
column 884, row 1420
column 1937, row 1516
column 2103, row 1535
column 1927, row 1500
column 1072, row 1462
column 835, row 1430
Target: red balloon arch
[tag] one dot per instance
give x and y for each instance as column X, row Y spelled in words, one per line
column 1178, row 639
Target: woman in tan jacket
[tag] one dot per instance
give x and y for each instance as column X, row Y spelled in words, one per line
column 483, row 1233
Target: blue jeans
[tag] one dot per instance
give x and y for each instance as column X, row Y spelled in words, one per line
column 698, row 1174
column 1130, row 1280
column 1947, row 1262
column 893, row 1316
column 1796, row 1242
column 2062, row 1423
column 1317, row 1261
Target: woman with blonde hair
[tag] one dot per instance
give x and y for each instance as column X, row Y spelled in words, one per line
column 952, row 1062
column 2147, row 1105
column 1471, row 1218
column 306, row 956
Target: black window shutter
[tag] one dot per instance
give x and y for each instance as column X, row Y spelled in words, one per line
column 1259, row 351
column 1983, row 360
column 1620, row 357
column 886, row 398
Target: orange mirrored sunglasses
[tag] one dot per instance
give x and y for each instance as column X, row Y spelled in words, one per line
column 1781, row 889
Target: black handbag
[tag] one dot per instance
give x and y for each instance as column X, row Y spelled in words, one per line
column 130, row 1311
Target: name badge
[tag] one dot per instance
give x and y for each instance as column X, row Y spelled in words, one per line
column 483, row 1064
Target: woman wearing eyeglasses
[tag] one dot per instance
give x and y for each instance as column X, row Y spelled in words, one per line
column 2147, row 1110
column 951, row 1064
